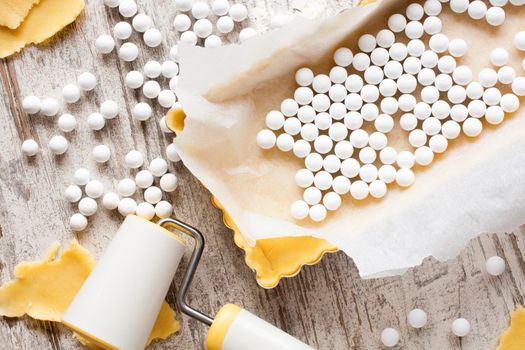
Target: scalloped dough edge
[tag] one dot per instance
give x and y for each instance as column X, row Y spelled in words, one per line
column 43, row 21
column 271, row 258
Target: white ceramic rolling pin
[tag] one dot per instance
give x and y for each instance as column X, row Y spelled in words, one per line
column 119, row 302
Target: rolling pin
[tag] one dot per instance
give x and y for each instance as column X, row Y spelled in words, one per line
column 119, row 302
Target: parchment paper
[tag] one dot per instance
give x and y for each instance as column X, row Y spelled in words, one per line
column 477, row 186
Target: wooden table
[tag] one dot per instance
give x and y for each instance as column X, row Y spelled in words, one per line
column 326, row 305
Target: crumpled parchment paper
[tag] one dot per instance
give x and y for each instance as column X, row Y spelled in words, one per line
column 476, row 186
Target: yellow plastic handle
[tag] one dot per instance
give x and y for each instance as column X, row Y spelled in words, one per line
column 237, row 329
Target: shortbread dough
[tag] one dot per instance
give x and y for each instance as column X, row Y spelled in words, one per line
column 44, row 289
column 43, row 21
column 514, row 337
column 14, row 11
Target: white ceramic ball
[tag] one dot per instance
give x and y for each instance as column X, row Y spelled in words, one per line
column 158, row 167
column 152, row 37
column 417, row 318
column 397, row 23
column 213, row 41
column 112, row 3
column 87, row 206
column 134, row 159
column 317, row 213
column 101, row 153
column 141, row 22
column 141, row 111
column 122, row 30
column 495, row 265
column 343, row 57
column 238, row 12
column 163, row 209
column 29, row 148
column 126, row 187
column 109, row 109
column 127, row 206
column 168, row 182
column 31, row 104
column 127, row 8
column 460, row 327
column 220, row 7
column 49, row 106
column 144, row 179
column 495, row 16
column 183, row 5
column 86, row 81
column 96, row 121
column 405, row 177
column 78, row 222
column 246, row 33
column 169, row 69
column 359, row 190
column 94, row 189
column 299, row 210
column 389, row 337
column 171, row 153
column 134, row 79
column 166, row 98
column 499, row 57
column 424, row 155
column 153, row 195
column 71, row 93
column 145, row 210
column 332, row 201
column 73, row 193
column 151, row 89
column 81, row 176
column 152, row 69
column 266, row 139
column 128, row 52
column 110, row 200
column 104, row 44
column 519, row 40
column 225, row 24
column 58, row 145
column 202, row 28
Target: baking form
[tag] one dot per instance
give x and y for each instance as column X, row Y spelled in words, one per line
column 226, row 94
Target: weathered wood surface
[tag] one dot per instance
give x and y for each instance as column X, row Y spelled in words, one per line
column 326, row 305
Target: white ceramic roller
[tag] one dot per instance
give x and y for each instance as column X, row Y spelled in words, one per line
column 119, row 302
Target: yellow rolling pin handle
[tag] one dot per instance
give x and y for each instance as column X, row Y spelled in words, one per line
column 237, row 329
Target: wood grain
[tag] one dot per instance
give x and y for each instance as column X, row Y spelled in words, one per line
column 326, row 305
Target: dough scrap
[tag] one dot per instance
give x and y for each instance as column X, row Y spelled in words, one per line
column 43, row 21
column 514, row 337
column 14, row 11
column 44, row 289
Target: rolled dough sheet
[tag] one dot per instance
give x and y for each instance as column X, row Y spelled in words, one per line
column 514, row 337
column 43, row 21
column 14, row 11
column 44, row 289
